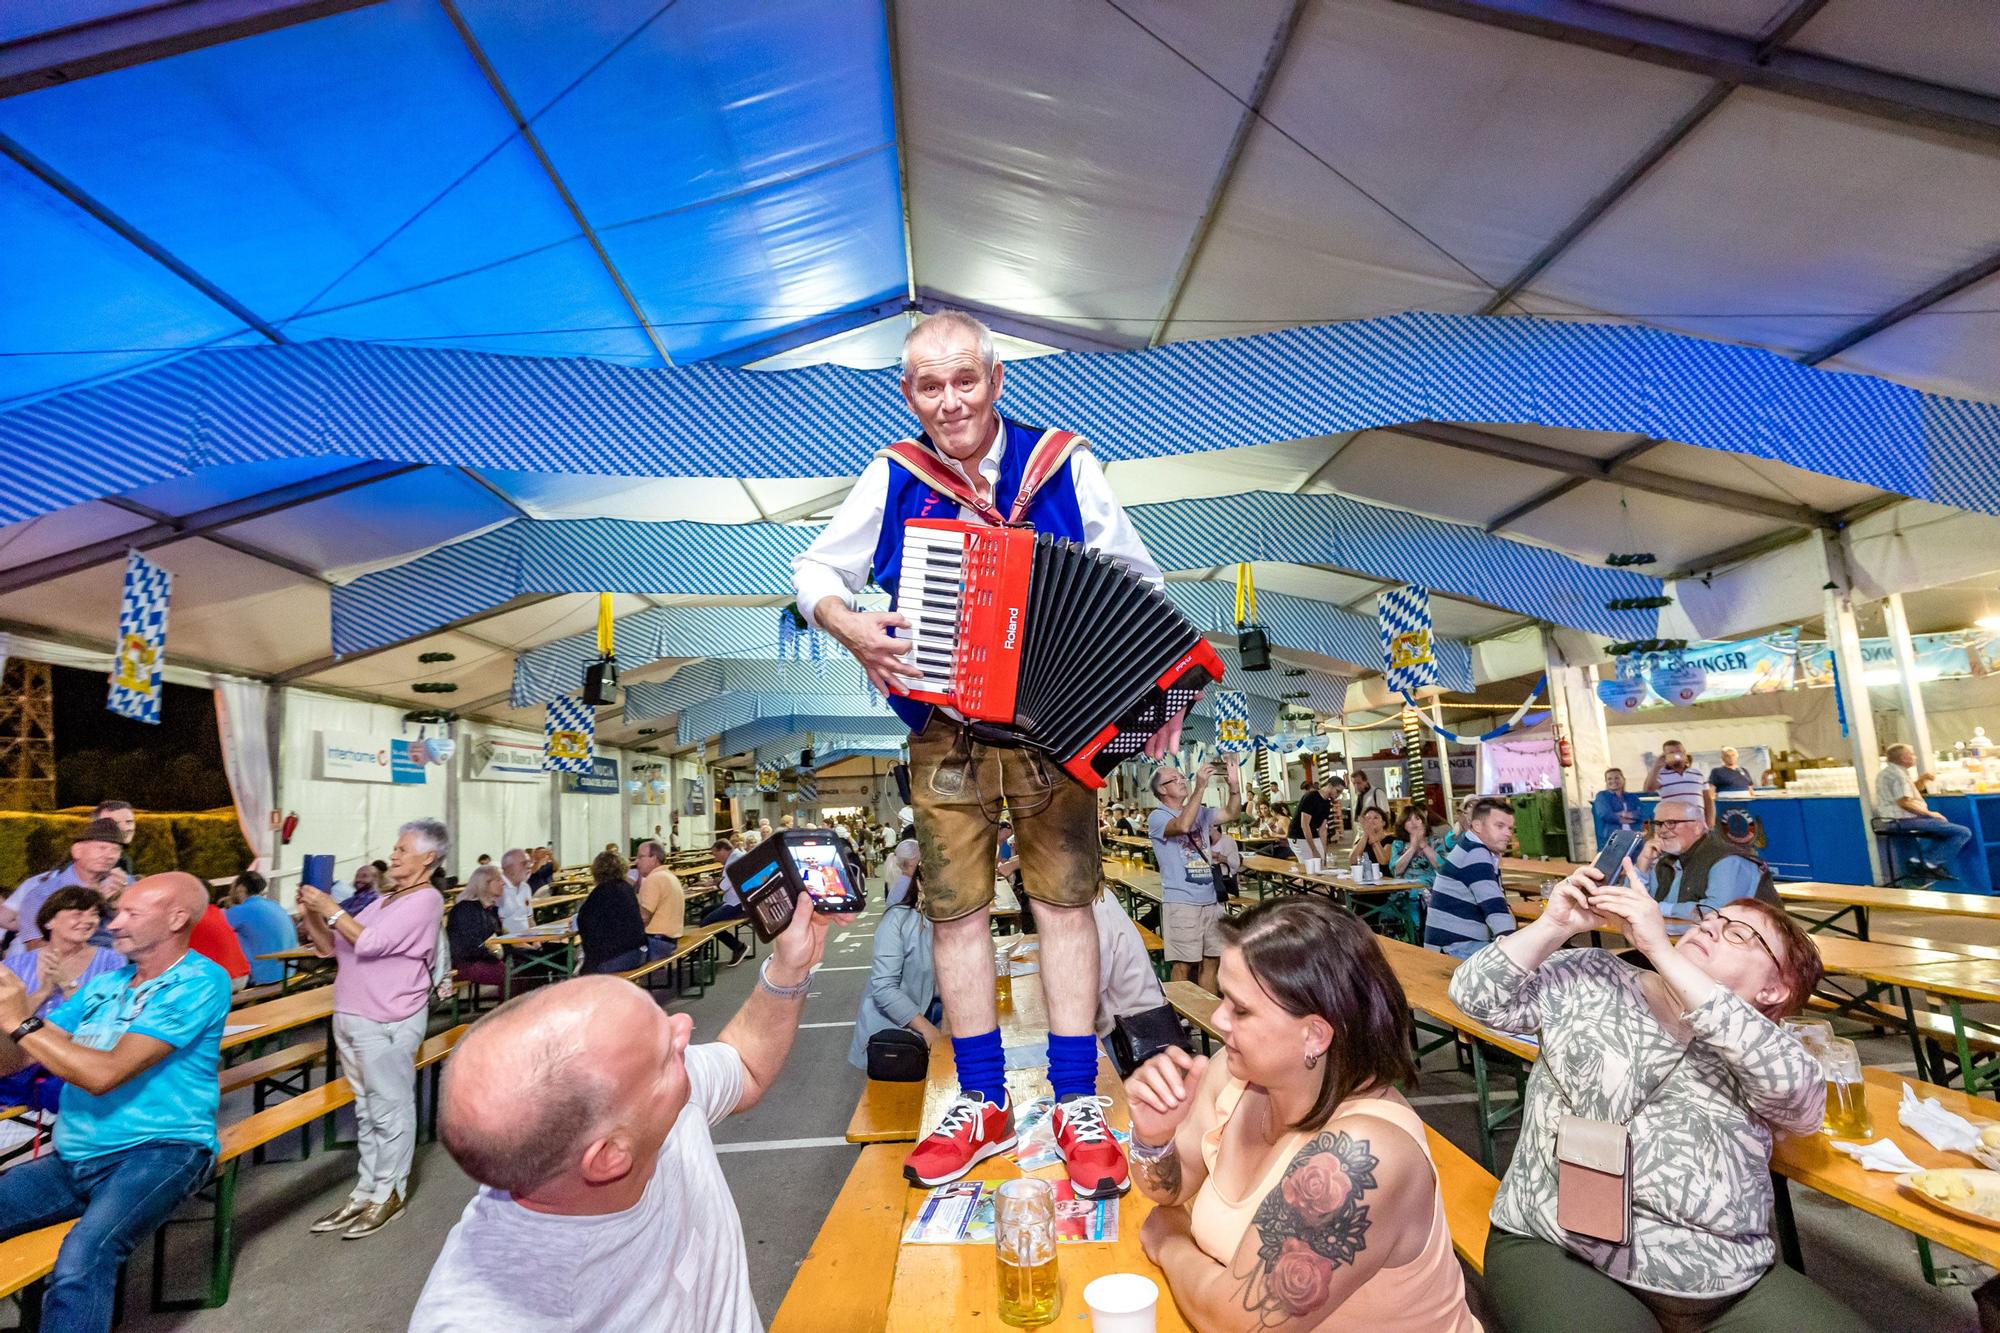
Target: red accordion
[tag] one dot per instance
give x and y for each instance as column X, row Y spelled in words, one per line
column 1042, row 642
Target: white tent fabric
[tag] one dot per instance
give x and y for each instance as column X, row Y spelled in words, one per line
column 242, row 717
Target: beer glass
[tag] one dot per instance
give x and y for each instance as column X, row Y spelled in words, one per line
column 1846, row 1095
column 1812, row 1033
column 1024, row 1233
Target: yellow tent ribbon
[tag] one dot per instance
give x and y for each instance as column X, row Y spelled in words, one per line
column 1246, row 595
column 604, row 644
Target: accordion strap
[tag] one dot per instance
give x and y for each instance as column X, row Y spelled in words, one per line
column 1050, row 455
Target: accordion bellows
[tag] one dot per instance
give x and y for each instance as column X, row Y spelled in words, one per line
column 1043, row 642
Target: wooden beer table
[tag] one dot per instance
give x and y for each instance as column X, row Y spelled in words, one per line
column 1957, row 982
column 304, row 966
column 1857, row 900
column 548, row 954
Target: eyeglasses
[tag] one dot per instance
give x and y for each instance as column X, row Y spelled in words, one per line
column 1739, row 933
column 1674, row 823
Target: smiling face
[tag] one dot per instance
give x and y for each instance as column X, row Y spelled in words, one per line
column 1614, row 779
column 1679, row 825
column 72, row 928
column 952, row 391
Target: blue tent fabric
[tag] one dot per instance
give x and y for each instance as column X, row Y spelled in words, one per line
column 460, row 408
column 752, row 559
column 743, row 638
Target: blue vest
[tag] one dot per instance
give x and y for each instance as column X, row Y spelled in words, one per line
column 1053, row 510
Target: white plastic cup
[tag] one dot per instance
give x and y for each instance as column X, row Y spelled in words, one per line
column 1312, row 865
column 1122, row 1303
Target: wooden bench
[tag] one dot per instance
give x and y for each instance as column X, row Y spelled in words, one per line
column 687, row 949
column 256, row 994
column 887, row 1112
column 1468, row 1189
column 1197, row 1006
column 24, row 1262
column 845, row 1280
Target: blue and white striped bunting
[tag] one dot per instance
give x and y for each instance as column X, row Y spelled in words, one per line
column 456, row 408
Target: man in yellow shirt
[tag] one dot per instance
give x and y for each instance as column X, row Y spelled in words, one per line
column 661, row 900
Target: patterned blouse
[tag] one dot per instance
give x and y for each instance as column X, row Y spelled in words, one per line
column 1701, row 1144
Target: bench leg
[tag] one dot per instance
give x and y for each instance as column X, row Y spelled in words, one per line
column 222, row 1253
column 1924, row 1074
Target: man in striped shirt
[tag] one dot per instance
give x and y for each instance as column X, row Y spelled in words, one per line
column 1675, row 778
column 1467, row 910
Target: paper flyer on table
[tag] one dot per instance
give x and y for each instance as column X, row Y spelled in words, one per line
column 961, row 1213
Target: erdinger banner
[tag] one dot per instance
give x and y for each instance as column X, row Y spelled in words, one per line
column 142, row 640
column 569, row 738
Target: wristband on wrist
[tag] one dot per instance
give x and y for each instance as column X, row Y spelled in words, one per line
column 1146, row 1152
column 765, row 983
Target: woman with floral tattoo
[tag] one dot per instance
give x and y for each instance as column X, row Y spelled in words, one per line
column 1295, row 1186
column 1687, row 1056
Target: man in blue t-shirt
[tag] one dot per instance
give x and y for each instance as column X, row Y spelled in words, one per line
column 138, row 1049
column 262, row 927
column 1183, row 831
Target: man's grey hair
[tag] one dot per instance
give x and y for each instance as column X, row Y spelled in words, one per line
column 1900, row 748
column 431, row 835
column 659, row 852
column 946, row 321
column 1161, row 774
column 1676, row 808
column 563, row 1100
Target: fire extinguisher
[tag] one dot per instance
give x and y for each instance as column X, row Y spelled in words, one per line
column 1565, row 755
column 289, row 827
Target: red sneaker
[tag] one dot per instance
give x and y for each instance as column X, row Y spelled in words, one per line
column 1096, row 1163
column 973, row 1129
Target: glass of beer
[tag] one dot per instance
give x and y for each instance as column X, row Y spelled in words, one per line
column 1003, row 975
column 1024, row 1232
column 1846, row 1094
column 1813, row 1033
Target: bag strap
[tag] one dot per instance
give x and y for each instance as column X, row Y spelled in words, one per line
column 1051, row 453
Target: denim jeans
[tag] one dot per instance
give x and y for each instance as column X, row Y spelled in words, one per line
column 121, row 1197
column 727, row 912
column 1946, row 836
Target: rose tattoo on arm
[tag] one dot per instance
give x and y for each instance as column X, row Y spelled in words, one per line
column 1162, row 1176
column 1311, row 1225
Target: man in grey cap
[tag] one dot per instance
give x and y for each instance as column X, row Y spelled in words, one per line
column 92, row 858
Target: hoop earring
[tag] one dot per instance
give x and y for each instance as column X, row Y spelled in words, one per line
column 1312, row 1061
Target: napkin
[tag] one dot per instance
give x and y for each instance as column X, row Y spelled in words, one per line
column 1940, row 1128
column 1881, row 1155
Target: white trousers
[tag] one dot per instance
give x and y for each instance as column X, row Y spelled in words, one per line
column 380, row 1062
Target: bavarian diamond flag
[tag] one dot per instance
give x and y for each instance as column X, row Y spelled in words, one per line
column 1232, row 722
column 569, row 737
column 1404, row 615
column 142, row 640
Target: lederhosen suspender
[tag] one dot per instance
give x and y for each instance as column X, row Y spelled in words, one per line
column 1051, row 453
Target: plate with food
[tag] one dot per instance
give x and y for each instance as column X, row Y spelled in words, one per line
column 1962, row 1192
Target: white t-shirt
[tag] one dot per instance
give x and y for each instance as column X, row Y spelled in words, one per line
column 674, row 1260
column 1686, row 785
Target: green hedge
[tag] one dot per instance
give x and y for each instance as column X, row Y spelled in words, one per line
column 209, row 844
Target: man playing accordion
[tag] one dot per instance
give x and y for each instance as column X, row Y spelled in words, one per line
column 970, row 465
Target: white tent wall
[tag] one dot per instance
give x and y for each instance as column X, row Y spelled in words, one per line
column 353, row 821
column 496, row 816
column 586, row 823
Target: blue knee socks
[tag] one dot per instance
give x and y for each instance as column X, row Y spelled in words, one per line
column 1072, row 1065
column 982, row 1065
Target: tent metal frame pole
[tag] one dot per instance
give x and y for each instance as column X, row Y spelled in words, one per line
column 1897, row 622
column 1444, row 758
column 1748, row 61
column 1843, row 637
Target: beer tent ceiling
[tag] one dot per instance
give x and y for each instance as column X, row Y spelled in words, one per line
column 776, row 184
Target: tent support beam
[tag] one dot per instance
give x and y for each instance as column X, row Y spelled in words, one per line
column 1612, row 468
column 829, row 326
column 1455, row 436
column 1747, row 62
column 1606, row 199
column 137, row 239
column 201, row 523
column 291, row 675
column 902, row 152
column 1022, row 326
column 1232, row 157
column 1971, row 274
column 1775, row 541
column 153, row 32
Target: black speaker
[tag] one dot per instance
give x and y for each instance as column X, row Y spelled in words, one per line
column 806, row 760
column 600, row 682
column 1254, row 647
column 902, row 774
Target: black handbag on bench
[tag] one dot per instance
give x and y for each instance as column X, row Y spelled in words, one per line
column 898, row 1055
column 1137, row 1038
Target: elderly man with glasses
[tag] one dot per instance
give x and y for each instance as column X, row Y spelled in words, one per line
column 1686, row 864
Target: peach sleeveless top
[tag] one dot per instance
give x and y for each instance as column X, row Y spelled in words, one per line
column 1426, row 1295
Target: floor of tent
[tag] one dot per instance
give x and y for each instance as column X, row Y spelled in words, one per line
column 786, row 1160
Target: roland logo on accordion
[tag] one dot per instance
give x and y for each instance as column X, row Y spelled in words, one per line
column 1042, row 642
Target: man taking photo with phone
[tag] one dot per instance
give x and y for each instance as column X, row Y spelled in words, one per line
column 1184, row 830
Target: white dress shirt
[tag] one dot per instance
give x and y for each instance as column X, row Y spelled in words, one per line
column 516, row 917
column 839, row 563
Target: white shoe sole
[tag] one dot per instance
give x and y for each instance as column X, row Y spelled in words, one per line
column 990, row 1150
